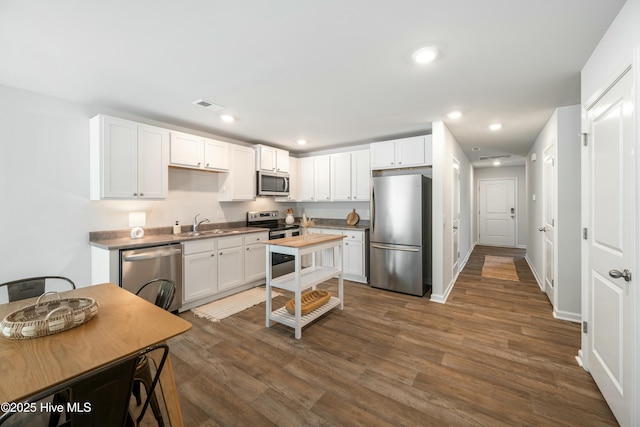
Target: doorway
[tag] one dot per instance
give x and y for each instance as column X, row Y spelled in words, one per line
column 497, row 212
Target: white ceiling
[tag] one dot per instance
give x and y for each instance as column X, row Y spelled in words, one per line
column 335, row 72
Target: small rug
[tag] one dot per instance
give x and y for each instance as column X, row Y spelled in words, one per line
column 217, row 310
column 499, row 267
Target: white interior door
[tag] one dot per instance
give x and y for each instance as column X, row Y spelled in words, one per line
column 611, row 248
column 456, row 218
column 548, row 228
column 497, row 213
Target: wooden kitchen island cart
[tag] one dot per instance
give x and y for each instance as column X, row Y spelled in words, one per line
column 302, row 279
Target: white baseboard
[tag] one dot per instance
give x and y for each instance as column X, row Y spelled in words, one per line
column 535, row 273
column 566, row 315
column 521, row 246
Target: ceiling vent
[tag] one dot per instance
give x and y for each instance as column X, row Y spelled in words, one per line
column 503, row 156
column 475, row 149
column 209, row 105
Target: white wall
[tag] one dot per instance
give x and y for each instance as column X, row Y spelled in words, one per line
column 562, row 130
column 445, row 149
column 518, row 172
column 44, row 190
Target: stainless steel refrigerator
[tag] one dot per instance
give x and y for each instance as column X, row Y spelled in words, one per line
column 400, row 234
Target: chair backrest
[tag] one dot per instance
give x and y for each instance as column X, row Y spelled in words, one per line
column 35, row 286
column 158, row 291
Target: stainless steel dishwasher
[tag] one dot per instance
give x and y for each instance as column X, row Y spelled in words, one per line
column 139, row 266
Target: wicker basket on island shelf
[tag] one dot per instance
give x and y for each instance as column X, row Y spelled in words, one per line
column 47, row 318
column 310, row 301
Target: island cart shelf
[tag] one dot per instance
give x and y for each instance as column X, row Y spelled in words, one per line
column 303, row 279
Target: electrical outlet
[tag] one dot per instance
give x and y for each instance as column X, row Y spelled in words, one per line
column 220, row 214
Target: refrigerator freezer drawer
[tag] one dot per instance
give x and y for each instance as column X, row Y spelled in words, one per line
column 398, row 268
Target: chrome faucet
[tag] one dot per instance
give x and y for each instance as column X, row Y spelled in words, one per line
column 196, row 223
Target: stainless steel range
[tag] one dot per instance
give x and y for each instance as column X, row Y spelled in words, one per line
column 280, row 263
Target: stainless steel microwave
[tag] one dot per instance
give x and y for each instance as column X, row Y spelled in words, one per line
column 272, row 184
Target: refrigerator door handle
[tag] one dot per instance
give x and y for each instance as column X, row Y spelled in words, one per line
column 373, row 209
column 394, row 248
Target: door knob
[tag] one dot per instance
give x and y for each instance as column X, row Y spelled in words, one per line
column 542, row 229
column 625, row 274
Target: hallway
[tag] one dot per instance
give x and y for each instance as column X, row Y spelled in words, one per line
column 492, row 355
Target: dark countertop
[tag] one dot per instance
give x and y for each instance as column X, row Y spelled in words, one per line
column 115, row 240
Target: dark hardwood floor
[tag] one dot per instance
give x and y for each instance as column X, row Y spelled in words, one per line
column 493, row 355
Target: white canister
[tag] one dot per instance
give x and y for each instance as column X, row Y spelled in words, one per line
column 289, row 219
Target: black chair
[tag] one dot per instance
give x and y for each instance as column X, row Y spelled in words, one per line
column 36, row 286
column 97, row 398
column 161, row 292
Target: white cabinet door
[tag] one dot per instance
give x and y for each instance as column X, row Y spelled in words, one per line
column 128, row 160
column 322, row 178
column 240, row 182
column 353, row 255
column 254, row 262
column 118, row 154
column 282, row 161
column 216, row 155
column 186, row 150
column 341, row 177
column 230, row 267
column 306, row 179
column 410, row 152
column 360, row 175
column 153, row 162
column 266, row 158
column 383, row 155
column 200, row 276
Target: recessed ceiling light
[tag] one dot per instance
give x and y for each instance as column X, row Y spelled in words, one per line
column 497, row 163
column 301, row 142
column 495, row 126
column 425, row 55
column 227, row 118
column 454, row 115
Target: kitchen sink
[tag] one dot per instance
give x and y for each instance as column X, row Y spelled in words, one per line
column 217, row 231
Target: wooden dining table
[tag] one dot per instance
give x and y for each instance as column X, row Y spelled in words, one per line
column 125, row 324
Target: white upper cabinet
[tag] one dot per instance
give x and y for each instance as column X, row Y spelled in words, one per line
column 240, row 182
column 196, row 152
column 272, row 159
column 360, row 175
column 314, row 183
column 350, row 173
column 402, row 153
column 216, row 155
column 341, row 177
column 128, row 160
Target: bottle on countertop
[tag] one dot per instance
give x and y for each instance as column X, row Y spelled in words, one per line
column 176, row 228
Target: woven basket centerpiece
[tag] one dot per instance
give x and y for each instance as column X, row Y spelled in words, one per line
column 310, row 301
column 49, row 317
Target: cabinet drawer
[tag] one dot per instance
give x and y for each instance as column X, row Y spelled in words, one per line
column 357, row 236
column 255, row 238
column 197, row 246
column 229, row 242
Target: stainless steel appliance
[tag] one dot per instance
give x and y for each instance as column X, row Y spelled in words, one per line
column 280, row 263
column 272, row 183
column 139, row 266
column 400, row 235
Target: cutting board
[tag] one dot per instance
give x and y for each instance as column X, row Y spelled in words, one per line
column 353, row 218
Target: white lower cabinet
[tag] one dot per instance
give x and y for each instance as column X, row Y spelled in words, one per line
column 354, row 254
column 230, row 262
column 200, row 268
column 254, row 256
column 221, row 266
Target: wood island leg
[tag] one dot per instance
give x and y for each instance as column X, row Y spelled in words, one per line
column 169, row 390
